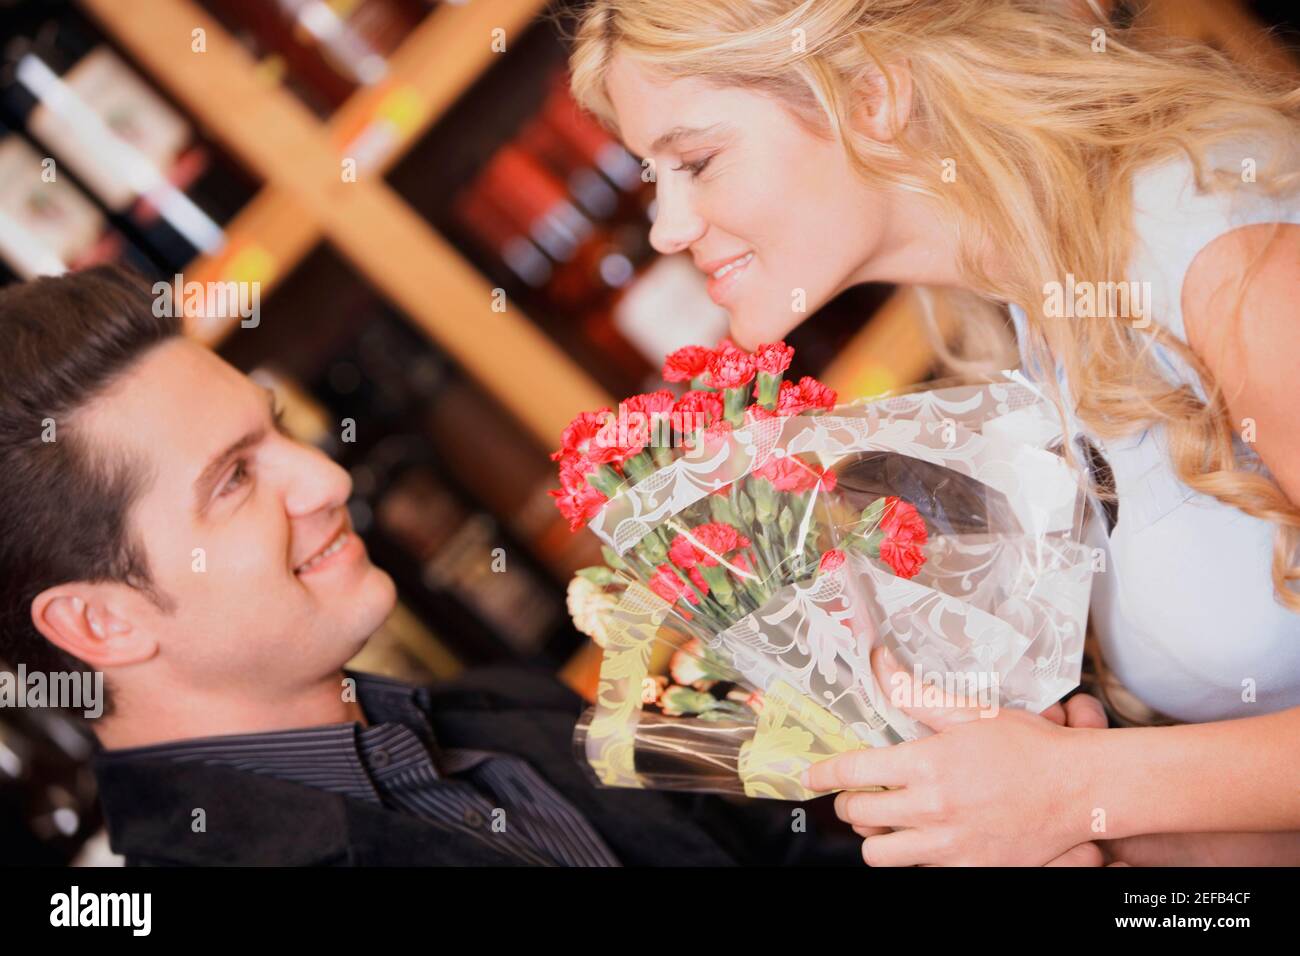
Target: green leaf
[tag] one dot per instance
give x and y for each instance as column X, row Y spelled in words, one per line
column 746, row 507
column 597, row 574
column 720, row 508
column 686, row 701
column 612, row 559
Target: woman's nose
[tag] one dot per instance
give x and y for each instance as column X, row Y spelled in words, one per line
column 676, row 224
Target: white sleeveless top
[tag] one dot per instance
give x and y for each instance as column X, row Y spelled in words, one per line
column 1185, row 612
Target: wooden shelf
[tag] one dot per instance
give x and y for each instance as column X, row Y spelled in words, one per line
column 440, row 59
column 266, row 240
column 278, row 139
column 433, row 66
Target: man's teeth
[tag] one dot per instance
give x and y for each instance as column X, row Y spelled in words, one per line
column 733, row 264
column 333, row 548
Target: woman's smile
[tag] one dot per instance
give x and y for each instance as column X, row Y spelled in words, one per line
column 724, row 275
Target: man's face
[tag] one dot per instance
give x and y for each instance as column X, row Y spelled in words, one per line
column 246, row 530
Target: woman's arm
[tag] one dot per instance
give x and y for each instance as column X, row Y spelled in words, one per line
column 1204, row 849
column 1168, row 849
column 1017, row 789
column 1231, row 775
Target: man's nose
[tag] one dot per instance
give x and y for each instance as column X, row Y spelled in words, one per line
column 314, row 482
column 676, row 224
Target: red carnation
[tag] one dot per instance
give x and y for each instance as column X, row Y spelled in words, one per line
column 904, row 532
column 703, row 543
column 832, row 560
column 817, row 395
column 905, row 557
column 697, row 408
column 698, row 580
column 730, row 367
column 687, row 363
column 795, row 475
column 809, row 393
column 773, row 358
column 578, row 503
column 574, row 469
column 580, row 437
column 789, row 400
column 665, row 583
column 682, row 552
column 901, row 522
column 714, row 436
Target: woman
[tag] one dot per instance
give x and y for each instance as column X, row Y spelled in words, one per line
column 1003, row 153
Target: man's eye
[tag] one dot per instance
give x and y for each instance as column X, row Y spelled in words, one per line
column 694, row 168
column 237, row 478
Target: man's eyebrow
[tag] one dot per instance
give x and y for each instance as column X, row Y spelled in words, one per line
column 682, row 132
column 203, row 485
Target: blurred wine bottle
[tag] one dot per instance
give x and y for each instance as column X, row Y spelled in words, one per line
column 161, row 184
column 47, row 225
column 443, row 487
column 322, row 50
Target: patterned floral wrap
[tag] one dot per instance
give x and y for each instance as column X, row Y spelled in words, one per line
column 998, row 608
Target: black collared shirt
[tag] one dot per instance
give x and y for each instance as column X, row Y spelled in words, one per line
column 397, row 763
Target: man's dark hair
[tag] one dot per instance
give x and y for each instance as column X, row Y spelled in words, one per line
column 64, row 502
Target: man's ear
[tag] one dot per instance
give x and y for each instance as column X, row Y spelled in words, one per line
column 881, row 116
column 95, row 623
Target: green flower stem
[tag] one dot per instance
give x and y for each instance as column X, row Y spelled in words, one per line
column 720, row 585
column 606, row 480
column 639, row 466
column 735, row 400
column 769, row 387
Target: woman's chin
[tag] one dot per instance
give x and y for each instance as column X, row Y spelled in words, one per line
column 749, row 331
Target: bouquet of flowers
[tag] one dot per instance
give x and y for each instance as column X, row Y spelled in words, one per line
column 766, row 539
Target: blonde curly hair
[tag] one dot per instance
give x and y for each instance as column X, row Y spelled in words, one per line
column 1049, row 135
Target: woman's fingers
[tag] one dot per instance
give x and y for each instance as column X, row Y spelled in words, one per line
column 856, row 769
column 1056, row 714
column 883, row 808
column 902, row 848
column 865, row 832
column 903, row 692
column 1085, row 854
column 1084, row 710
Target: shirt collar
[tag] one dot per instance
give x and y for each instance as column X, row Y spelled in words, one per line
column 332, row 757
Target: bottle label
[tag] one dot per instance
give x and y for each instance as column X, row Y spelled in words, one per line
column 46, row 224
column 105, row 122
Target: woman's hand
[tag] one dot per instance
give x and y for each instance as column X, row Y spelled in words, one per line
column 981, row 791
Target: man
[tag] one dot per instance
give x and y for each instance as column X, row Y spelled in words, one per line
column 158, row 526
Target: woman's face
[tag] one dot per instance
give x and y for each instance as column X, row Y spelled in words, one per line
column 773, row 214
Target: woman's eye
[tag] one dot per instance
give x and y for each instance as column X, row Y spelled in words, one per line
column 237, row 478
column 694, row 168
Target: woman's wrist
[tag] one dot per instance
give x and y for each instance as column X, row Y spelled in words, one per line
column 1179, row 779
column 1124, row 783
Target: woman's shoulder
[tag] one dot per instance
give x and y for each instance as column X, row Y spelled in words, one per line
column 1176, row 214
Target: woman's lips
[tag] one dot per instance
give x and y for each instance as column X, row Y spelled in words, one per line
column 723, row 279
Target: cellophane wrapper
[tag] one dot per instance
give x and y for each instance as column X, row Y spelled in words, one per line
column 997, row 612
